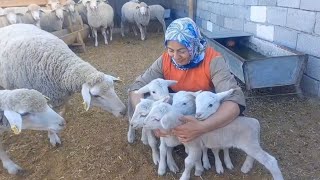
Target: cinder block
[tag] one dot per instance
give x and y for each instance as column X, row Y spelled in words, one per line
column 313, row 67
column 267, row 2
column 317, row 26
column 250, row 27
column 308, row 44
column 258, row 14
column 312, row 5
column 285, row 36
column 310, row 86
column 277, row 15
column 289, row 3
column 251, row 2
column 233, row 23
column 265, row 32
column 301, row 20
column 239, row 2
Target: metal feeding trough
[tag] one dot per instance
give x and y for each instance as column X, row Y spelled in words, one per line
column 258, row 63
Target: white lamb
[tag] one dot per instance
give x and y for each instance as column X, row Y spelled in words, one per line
column 158, row 88
column 25, row 109
column 157, row 13
column 135, row 13
column 100, row 15
column 52, row 20
column 32, row 16
column 48, row 65
column 242, row 133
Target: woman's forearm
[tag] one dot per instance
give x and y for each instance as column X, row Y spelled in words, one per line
column 226, row 113
column 135, row 98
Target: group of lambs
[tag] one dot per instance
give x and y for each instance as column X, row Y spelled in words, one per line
column 98, row 14
column 162, row 110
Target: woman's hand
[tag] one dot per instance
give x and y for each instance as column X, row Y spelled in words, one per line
column 191, row 129
column 162, row 133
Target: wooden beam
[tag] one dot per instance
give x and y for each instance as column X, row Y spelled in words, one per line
column 191, row 9
column 17, row 3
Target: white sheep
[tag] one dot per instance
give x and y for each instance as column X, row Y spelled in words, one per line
column 157, row 13
column 161, row 110
column 52, row 20
column 32, row 16
column 135, row 13
column 100, row 15
column 158, row 88
column 25, row 109
column 7, row 17
column 71, row 16
column 242, row 133
column 48, row 65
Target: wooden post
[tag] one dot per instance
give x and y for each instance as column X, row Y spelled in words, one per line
column 191, row 10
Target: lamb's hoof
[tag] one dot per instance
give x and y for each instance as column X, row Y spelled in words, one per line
column 96, row 45
column 12, row 168
column 144, row 141
column 229, row 166
column 54, row 139
column 155, row 158
column 131, row 137
column 173, row 167
column 246, row 168
column 106, row 43
column 206, row 165
column 161, row 171
column 219, row 169
column 198, row 172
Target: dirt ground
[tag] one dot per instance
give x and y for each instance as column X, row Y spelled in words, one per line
column 95, row 142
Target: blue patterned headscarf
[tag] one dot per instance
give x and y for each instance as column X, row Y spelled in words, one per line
column 186, row 32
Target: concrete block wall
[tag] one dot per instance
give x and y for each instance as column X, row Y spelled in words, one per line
column 292, row 23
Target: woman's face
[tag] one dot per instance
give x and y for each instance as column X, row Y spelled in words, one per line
column 179, row 52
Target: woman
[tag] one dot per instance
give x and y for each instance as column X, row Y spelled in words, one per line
column 195, row 66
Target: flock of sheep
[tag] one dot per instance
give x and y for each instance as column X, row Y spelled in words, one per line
column 98, row 14
column 40, row 74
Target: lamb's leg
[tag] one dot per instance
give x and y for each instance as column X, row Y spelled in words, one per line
column 162, row 163
column 54, row 138
column 144, row 137
column 205, row 158
column 95, row 33
column 247, row 165
column 104, row 34
column 264, row 158
column 131, row 134
column 153, row 144
column 134, row 30
column 193, row 157
column 7, row 163
column 143, row 36
column 217, row 161
column 170, row 161
column 163, row 23
column 122, row 27
column 227, row 160
column 111, row 31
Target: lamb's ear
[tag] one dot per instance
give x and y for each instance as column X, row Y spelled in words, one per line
column 224, row 94
column 165, row 99
column 195, row 94
column 143, row 90
column 171, row 82
column 15, row 121
column 85, row 92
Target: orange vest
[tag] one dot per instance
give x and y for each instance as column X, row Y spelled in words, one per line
column 193, row 79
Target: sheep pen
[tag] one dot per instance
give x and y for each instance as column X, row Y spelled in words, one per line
column 95, row 142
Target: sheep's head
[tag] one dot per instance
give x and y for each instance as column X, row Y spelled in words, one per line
column 69, row 5
column 28, row 109
column 208, row 103
column 11, row 15
column 158, row 88
column 171, row 120
column 102, row 94
column 35, row 11
column 58, row 11
column 140, row 113
column 184, row 102
column 158, row 110
column 143, row 8
column 54, row 4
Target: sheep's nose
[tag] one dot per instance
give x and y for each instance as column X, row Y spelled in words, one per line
column 62, row 123
column 198, row 115
column 123, row 112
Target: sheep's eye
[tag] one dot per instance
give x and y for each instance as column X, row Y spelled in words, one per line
column 210, row 105
column 184, row 103
column 25, row 114
column 153, row 92
column 96, row 96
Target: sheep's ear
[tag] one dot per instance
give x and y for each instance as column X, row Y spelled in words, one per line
column 195, row 94
column 85, row 92
column 143, row 90
column 171, row 82
column 224, row 94
column 165, row 99
column 15, row 121
column 113, row 78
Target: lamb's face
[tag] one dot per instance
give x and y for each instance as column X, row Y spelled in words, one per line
column 29, row 110
column 11, row 16
column 103, row 95
column 59, row 12
column 170, row 120
column 35, row 15
column 93, row 4
column 143, row 8
column 207, row 103
column 158, row 88
column 184, row 102
column 141, row 112
column 152, row 121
